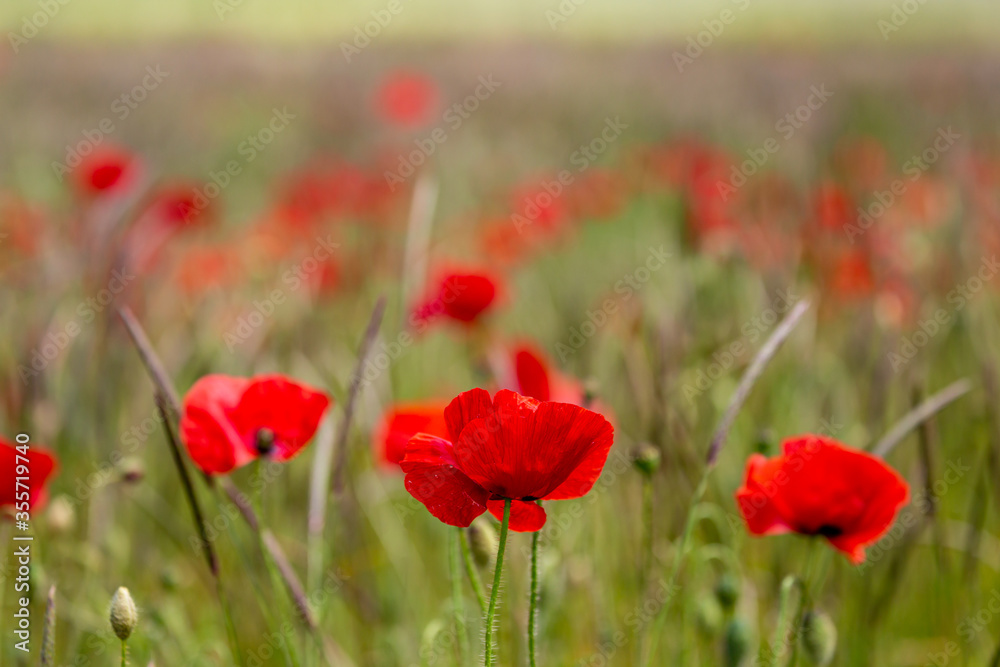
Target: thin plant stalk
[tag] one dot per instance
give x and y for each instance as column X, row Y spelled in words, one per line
column 471, row 572
column 788, row 617
column 458, row 604
column 494, row 593
column 764, row 355
column 533, row 598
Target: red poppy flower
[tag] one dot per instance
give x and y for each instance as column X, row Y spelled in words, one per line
column 407, row 98
column 403, row 421
column 41, row 465
column 511, row 447
column 104, row 170
column 820, row 487
column 463, row 297
column 230, row 421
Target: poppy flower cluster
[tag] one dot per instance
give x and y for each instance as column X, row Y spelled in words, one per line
column 508, row 447
column 228, row 421
column 820, row 487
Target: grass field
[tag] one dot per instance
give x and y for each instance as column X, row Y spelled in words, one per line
column 848, row 185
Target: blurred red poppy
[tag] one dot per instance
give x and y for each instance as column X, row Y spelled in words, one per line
column 509, row 447
column 105, row 170
column 41, row 464
column 463, row 297
column 403, row 421
column 407, row 98
column 820, row 487
column 228, row 422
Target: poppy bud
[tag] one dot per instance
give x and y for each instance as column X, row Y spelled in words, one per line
column 709, row 616
column 765, row 443
column 61, row 515
column 819, row 638
column 737, row 642
column 646, row 457
column 727, row 591
column 124, row 616
column 264, row 441
column 483, row 542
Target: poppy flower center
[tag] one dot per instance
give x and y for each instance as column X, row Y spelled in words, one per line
column 828, row 530
column 264, row 441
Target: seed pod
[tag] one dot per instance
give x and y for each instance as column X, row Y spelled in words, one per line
column 61, row 514
column 124, row 616
column 736, row 643
column 727, row 591
column 819, row 638
column 483, row 542
column 132, row 470
column 646, row 457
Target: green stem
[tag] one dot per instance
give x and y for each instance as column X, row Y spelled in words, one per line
column 471, row 572
column 675, row 567
column 647, row 528
column 533, row 597
column 787, row 619
column 456, row 595
column 234, row 642
column 124, row 654
column 496, row 584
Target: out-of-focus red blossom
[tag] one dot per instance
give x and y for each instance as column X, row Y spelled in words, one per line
column 41, row 464
column 535, row 210
column 228, row 421
column 817, row 486
column 833, row 207
column 508, row 447
column 596, row 193
column 22, row 226
column 502, row 242
column 105, row 170
column 171, row 210
column 852, row 275
column 407, row 98
column 862, row 162
column 335, row 191
column 896, row 303
column 401, row 422
column 462, row 296
column 207, row 267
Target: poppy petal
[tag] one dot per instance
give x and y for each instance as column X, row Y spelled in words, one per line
column 212, row 441
column 526, row 516
column 291, row 410
column 469, row 405
column 593, row 437
column 445, row 490
column 760, row 514
column 402, row 422
column 532, row 374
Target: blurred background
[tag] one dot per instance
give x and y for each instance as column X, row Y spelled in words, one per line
column 843, row 153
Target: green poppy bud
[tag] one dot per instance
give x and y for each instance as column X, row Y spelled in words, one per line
column 819, row 638
column 124, row 616
column 709, row 616
column 483, row 542
column 646, row 457
column 727, row 591
column 736, row 642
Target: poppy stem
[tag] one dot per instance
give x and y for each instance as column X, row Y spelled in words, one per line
column 494, row 593
column 785, row 641
column 533, row 597
column 470, row 570
column 456, row 595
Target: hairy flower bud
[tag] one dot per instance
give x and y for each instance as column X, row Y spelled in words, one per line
column 483, row 542
column 646, row 457
column 737, row 642
column 819, row 638
column 727, row 590
column 124, row 616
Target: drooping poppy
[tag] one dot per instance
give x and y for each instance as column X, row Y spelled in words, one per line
column 818, row 486
column 508, row 447
column 228, row 421
column 403, row 421
column 461, row 296
column 41, row 465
